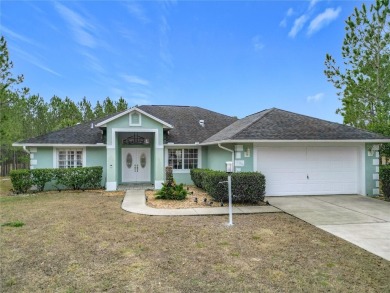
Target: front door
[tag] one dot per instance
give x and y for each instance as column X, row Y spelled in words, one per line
column 136, row 165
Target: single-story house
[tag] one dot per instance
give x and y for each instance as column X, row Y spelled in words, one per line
column 299, row 155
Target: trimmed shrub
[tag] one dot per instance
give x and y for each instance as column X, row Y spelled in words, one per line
column 213, row 183
column 246, row 186
column 40, row 177
column 384, row 176
column 74, row 178
column 79, row 178
column 21, row 180
column 197, row 176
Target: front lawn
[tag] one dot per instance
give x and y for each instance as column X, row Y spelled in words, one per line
column 84, row 242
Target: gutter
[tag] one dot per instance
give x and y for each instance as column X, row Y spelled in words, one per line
column 229, row 150
column 26, row 150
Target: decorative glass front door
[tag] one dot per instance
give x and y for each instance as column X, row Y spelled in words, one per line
column 135, row 165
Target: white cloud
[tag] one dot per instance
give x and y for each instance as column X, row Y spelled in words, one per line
column 257, row 44
column 298, row 25
column 136, row 10
column 289, row 12
column 316, row 98
column 82, row 29
column 323, row 19
column 135, row 80
column 93, row 62
column 34, row 60
column 312, row 3
column 17, row 36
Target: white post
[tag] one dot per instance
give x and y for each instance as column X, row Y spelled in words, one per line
column 230, row 200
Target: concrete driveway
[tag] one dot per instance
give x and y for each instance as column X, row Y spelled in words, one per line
column 360, row 220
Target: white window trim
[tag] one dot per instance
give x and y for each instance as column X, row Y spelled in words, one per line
column 55, row 154
column 182, row 148
column 131, row 120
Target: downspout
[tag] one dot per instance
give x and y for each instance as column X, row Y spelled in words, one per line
column 26, row 150
column 229, row 150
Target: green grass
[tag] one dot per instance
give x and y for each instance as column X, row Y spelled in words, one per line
column 13, row 224
column 84, row 242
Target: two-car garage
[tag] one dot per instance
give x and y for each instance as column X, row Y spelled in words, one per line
column 309, row 170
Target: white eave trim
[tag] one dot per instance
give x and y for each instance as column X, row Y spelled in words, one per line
column 299, row 141
column 57, row 145
column 103, row 123
column 174, row 145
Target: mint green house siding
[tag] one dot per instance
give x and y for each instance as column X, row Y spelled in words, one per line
column 216, row 157
column 244, row 157
column 41, row 157
column 96, row 156
column 184, row 178
column 372, row 169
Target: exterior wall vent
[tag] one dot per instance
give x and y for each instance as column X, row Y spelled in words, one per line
column 201, row 123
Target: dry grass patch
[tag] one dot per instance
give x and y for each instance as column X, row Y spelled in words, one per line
column 84, row 242
column 5, row 186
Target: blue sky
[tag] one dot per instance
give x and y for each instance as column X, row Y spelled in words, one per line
column 233, row 57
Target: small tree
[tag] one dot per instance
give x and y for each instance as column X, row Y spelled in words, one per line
column 170, row 189
column 363, row 80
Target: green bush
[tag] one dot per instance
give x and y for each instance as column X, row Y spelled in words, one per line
column 384, row 176
column 197, row 176
column 79, row 178
column 21, row 180
column 74, row 178
column 246, row 186
column 40, row 177
column 172, row 191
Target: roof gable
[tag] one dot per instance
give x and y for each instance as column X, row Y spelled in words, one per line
column 129, row 111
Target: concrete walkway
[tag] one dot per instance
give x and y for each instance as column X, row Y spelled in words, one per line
column 134, row 202
column 360, row 220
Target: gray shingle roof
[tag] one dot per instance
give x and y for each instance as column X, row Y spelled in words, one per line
column 276, row 124
column 78, row 134
column 185, row 120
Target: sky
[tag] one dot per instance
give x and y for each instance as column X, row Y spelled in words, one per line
column 232, row 57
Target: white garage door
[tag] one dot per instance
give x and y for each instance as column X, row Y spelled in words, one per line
column 309, row 170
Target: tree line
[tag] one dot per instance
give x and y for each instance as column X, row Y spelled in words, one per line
column 24, row 115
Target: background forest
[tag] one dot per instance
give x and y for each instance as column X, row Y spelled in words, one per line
column 24, row 115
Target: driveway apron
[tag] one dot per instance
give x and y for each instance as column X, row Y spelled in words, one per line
column 360, row 220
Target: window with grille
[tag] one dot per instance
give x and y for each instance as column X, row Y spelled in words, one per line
column 70, row 158
column 181, row 159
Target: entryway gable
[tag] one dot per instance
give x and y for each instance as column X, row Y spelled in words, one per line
column 134, row 117
column 135, row 130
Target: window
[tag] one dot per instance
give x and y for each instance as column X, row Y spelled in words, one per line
column 70, row 158
column 181, row 159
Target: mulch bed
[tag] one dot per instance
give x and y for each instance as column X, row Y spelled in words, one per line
column 204, row 200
